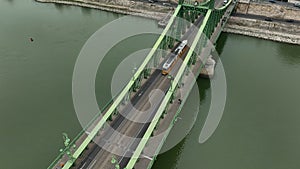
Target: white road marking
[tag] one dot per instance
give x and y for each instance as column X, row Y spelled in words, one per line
column 93, row 163
column 149, row 158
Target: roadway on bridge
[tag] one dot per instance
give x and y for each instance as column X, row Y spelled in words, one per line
column 117, row 138
column 120, row 143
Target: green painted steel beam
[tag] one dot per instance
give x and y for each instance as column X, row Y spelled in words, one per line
column 190, row 7
column 199, row 46
column 225, row 8
column 161, row 109
column 93, row 133
column 162, row 39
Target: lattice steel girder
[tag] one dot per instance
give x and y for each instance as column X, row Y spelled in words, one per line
column 181, row 25
column 126, row 98
column 155, row 59
column 194, row 58
column 188, row 2
column 197, row 48
column 190, row 62
column 163, row 47
column 166, row 108
column 179, row 29
column 164, row 43
column 147, row 71
column 110, row 117
column 198, row 9
column 186, row 17
column 180, row 83
column 216, row 17
column 180, row 2
column 116, row 112
column 201, row 9
column 171, row 38
column 142, row 76
column 174, row 94
column 186, row 71
column 157, row 125
column 192, row 13
column 137, row 83
column 184, row 21
column 211, row 4
column 196, row 14
column 172, row 98
column 189, row 17
column 162, row 116
column 208, row 29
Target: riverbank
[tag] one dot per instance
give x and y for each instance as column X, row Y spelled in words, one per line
column 276, row 31
column 126, row 7
column 276, row 28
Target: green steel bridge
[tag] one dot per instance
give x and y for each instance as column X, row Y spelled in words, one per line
column 208, row 19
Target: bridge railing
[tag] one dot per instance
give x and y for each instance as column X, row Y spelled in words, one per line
column 80, row 134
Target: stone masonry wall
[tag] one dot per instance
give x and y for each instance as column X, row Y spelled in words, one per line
column 281, row 32
column 269, row 10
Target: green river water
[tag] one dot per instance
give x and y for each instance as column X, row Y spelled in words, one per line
column 259, row 129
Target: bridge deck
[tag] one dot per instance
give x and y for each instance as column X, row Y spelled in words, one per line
column 173, row 110
column 120, row 143
column 146, row 102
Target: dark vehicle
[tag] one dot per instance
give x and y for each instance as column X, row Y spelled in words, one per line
column 268, row 19
column 289, row 20
column 152, row 1
column 297, row 5
column 272, row 1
